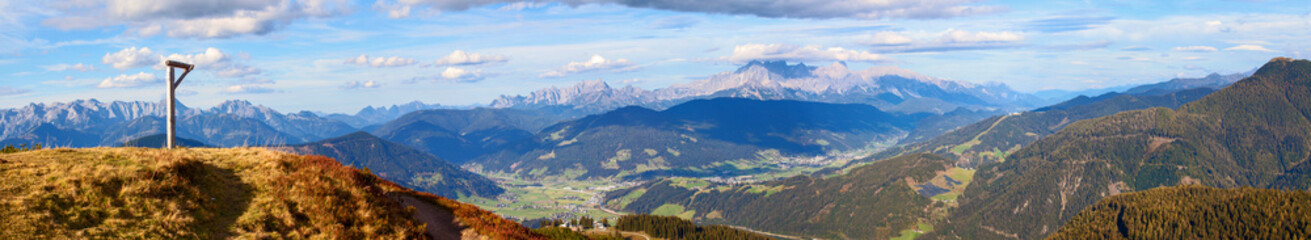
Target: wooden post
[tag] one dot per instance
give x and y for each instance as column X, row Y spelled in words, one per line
column 173, row 83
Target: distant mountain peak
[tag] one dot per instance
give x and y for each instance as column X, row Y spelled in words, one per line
column 800, row 70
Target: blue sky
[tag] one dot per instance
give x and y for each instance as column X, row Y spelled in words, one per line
column 339, row 56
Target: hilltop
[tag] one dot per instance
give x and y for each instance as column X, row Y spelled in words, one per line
column 221, row 193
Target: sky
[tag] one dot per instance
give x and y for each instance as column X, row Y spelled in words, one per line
column 339, row 56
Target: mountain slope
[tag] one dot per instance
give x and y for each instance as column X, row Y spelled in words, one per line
column 1194, row 212
column 220, row 193
column 697, row 137
column 397, row 163
column 992, row 139
column 1252, row 133
column 461, row 135
column 875, row 201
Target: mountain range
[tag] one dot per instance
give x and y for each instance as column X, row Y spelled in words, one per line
column 86, row 123
column 697, row 137
column 889, row 88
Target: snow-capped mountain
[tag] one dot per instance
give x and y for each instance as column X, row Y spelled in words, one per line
column 886, row 87
column 235, row 122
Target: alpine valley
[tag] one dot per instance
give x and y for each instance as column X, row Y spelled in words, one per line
column 792, row 151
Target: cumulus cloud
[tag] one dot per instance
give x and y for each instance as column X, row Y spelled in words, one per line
column 359, row 84
column 129, row 58
column 394, row 61
column 461, row 75
column 1249, row 47
column 460, row 57
column 192, row 18
column 1195, row 49
column 130, row 81
column 66, row 67
column 594, row 64
column 957, row 40
column 789, row 52
column 9, row 91
column 214, row 60
column 814, row 9
column 248, row 89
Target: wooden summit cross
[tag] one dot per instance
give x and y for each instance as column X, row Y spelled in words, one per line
column 172, row 99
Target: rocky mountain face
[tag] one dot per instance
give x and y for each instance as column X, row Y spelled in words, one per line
column 592, row 96
column 888, row 88
column 86, row 123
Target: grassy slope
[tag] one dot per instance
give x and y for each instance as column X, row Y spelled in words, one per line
column 211, row 193
column 1194, row 212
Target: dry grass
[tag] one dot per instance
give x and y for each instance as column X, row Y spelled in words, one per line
column 115, row 193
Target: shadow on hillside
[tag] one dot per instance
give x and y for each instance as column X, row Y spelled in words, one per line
column 440, row 220
column 225, row 196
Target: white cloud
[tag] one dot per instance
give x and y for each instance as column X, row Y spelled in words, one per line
column 394, row 61
column 192, row 18
column 130, row 81
column 65, row 67
column 461, row 75
column 9, row 91
column 595, row 63
column 247, row 89
column 460, row 57
column 209, row 58
column 214, row 60
column 957, row 40
column 129, row 58
column 1196, row 49
column 359, row 84
column 1249, row 47
column 816, row 9
column 960, row 36
column 887, row 38
column 789, row 52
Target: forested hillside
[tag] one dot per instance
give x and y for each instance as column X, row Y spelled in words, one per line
column 1253, row 133
column 877, row 201
column 1194, row 212
column 461, row 135
column 992, row 139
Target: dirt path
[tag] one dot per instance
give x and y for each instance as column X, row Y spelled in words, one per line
column 441, row 221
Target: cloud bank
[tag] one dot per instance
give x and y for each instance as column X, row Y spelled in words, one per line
column 812, row 9
column 789, row 52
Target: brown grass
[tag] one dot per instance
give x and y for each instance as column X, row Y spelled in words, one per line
column 115, row 193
